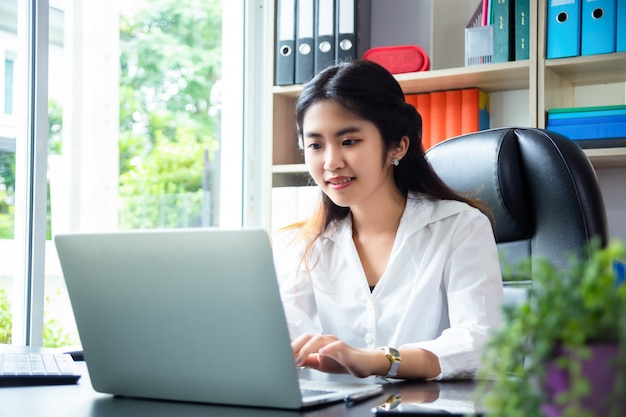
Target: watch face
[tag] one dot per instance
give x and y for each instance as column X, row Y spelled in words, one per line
column 394, row 357
column 393, row 354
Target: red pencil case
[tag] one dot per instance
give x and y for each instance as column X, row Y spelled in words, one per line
column 399, row 59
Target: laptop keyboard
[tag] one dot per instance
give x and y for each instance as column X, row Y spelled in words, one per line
column 309, row 392
column 18, row 369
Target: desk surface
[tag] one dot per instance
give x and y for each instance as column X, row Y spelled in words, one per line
column 81, row 400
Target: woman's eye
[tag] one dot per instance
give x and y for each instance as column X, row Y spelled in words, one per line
column 313, row 146
column 348, row 142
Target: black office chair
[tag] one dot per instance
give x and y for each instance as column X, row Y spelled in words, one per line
column 541, row 187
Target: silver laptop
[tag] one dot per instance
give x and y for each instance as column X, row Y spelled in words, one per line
column 188, row 315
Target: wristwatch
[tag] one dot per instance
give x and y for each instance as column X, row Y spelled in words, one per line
column 394, row 357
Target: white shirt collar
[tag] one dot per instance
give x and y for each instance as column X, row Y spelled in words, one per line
column 420, row 211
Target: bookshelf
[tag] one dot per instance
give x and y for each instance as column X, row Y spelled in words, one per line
column 562, row 83
column 521, row 91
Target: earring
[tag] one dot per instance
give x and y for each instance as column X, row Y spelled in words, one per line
column 395, row 161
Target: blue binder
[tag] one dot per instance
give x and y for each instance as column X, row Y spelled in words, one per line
column 598, row 27
column 585, row 131
column 285, row 42
column 597, row 121
column 563, row 28
column 305, row 40
column 620, row 25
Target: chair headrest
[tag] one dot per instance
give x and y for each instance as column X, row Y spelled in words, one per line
column 488, row 166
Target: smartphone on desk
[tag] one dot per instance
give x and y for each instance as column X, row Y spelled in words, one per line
column 394, row 406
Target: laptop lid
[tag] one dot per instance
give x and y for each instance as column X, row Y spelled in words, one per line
column 182, row 314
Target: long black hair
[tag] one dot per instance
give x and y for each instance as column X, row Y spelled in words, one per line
column 367, row 90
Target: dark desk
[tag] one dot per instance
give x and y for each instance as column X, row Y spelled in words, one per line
column 80, row 400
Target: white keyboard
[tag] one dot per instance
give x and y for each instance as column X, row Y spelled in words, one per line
column 37, row 369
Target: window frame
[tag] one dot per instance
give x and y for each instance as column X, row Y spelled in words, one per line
column 31, row 171
column 8, row 85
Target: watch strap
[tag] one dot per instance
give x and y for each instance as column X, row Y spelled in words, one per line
column 394, row 358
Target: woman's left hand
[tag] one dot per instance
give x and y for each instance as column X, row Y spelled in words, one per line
column 326, row 353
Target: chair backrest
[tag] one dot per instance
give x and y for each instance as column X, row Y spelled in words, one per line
column 541, row 186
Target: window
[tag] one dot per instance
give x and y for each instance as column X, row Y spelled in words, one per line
column 8, row 86
column 121, row 128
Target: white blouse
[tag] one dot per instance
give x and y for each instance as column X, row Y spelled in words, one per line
column 441, row 289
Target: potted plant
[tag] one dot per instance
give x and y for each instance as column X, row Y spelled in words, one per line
column 563, row 351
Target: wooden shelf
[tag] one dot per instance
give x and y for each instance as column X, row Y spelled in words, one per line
column 503, row 76
column 591, row 69
column 289, row 169
column 607, row 157
column 600, row 158
column 290, row 175
column 288, row 90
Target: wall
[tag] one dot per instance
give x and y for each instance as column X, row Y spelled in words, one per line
column 436, row 26
column 613, row 184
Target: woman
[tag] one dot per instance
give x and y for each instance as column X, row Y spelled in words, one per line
column 395, row 274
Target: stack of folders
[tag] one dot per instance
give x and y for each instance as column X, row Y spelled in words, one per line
column 585, row 27
column 314, row 34
column 450, row 113
column 510, row 21
column 590, row 127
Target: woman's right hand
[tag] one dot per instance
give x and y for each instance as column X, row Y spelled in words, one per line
column 326, row 353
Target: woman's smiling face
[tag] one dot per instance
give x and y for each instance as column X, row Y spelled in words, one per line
column 344, row 154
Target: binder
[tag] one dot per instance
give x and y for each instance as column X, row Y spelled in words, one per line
column 437, row 117
column 453, row 113
column 598, row 27
column 352, row 29
column 503, row 30
column 474, row 110
column 563, row 28
column 589, row 111
column 582, row 131
column 522, row 29
column 422, row 103
column 593, row 120
column 601, row 143
column 285, row 61
column 325, row 38
column 305, row 46
column 620, row 26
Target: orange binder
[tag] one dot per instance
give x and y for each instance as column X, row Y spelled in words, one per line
column 474, row 110
column 453, row 113
column 423, row 107
column 437, row 117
